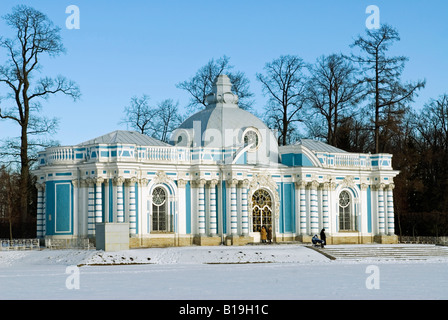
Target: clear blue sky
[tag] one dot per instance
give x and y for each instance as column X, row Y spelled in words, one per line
column 135, row 47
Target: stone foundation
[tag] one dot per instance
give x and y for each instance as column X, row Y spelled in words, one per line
column 383, row 239
column 207, row 241
column 238, row 240
column 155, row 241
column 161, row 241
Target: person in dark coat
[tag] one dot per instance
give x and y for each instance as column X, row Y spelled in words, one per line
column 269, row 234
column 323, row 237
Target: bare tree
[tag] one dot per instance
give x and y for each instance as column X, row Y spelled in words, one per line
column 284, row 83
column 200, row 85
column 167, row 119
column 382, row 79
column 139, row 115
column 331, row 90
column 35, row 35
column 155, row 121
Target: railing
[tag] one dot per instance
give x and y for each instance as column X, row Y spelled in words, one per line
column 72, row 155
column 77, row 243
column 172, row 154
column 19, row 244
column 355, row 160
column 68, row 155
column 60, row 154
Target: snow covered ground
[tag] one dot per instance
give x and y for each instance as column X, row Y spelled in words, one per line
column 255, row 272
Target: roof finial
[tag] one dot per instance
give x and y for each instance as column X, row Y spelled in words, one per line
column 222, row 94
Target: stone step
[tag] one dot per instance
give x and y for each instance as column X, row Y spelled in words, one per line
column 407, row 252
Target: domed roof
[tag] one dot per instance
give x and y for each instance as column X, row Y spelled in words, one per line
column 224, row 125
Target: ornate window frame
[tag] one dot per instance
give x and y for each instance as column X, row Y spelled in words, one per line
column 255, row 131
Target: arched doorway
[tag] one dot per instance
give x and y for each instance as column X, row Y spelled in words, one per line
column 261, row 210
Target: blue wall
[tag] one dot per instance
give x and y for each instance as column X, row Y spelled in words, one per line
column 59, row 208
column 296, row 159
column 287, row 207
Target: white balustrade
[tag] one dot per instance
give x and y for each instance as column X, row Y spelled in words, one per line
column 64, row 155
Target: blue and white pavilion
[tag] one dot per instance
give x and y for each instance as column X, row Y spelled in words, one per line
column 221, row 179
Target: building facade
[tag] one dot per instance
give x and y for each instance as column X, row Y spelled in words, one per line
column 220, row 181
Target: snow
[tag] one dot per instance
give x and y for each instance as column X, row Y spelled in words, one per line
column 253, row 272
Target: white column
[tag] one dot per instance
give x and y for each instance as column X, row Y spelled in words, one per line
column 76, row 197
column 130, row 183
column 40, row 223
column 363, row 209
column 314, row 213
column 83, row 207
column 244, row 207
column 200, row 185
column 142, row 208
column 98, row 200
column 381, row 216
column 325, row 206
column 90, row 206
column 301, row 200
column 118, row 182
column 182, row 205
column 233, row 207
column 390, row 210
column 213, row 227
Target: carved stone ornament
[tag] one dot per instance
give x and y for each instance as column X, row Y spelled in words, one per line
column 118, row 181
column 181, row 183
column 348, row 182
column 162, row 178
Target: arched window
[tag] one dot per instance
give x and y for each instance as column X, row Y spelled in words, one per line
column 261, row 210
column 345, row 214
column 160, row 215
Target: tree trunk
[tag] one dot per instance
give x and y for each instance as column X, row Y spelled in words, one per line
column 377, row 106
column 24, row 180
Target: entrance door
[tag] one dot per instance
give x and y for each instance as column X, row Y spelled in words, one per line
column 261, row 210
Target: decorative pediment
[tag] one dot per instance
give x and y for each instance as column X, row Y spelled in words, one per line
column 162, row 178
column 262, row 180
column 348, row 182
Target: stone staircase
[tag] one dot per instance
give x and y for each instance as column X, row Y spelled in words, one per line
column 385, row 252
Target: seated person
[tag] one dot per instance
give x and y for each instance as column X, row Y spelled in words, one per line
column 316, row 240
